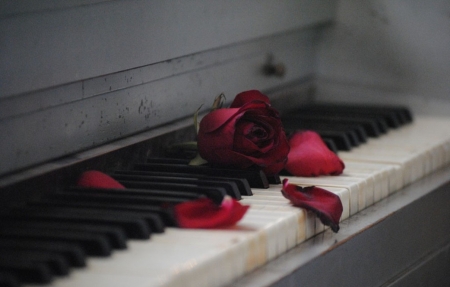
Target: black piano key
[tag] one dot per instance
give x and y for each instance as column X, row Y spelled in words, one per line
column 7, row 279
column 26, row 271
column 216, row 194
column 56, row 262
column 92, row 244
column 370, row 126
column 405, row 114
column 151, row 197
column 331, row 145
column 116, row 236
column 255, row 177
column 86, row 200
column 168, row 160
column 74, row 254
column 242, row 183
column 353, row 138
column 214, row 190
column 356, row 131
column 135, row 227
column 389, row 116
column 274, row 179
column 156, row 182
column 340, row 139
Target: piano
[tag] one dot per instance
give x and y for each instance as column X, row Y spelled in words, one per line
column 108, row 85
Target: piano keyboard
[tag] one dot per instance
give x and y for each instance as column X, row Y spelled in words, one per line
column 193, row 257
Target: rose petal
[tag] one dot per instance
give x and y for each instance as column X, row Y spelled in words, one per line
column 203, row 213
column 309, row 156
column 97, row 179
column 218, row 118
column 325, row 204
column 248, row 96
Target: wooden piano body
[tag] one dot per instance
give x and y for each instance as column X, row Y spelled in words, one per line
column 102, row 84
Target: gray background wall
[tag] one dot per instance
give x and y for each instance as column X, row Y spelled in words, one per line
column 77, row 74
column 389, row 51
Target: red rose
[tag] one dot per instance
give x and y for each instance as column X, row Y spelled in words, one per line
column 246, row 134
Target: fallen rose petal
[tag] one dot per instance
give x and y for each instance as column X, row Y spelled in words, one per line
column 309, row 156
column 325, row 204
column 203, row 213
column 97, row 179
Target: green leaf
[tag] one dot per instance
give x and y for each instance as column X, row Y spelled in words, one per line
column 196, row 123
column 218, row 102
column 198, row 160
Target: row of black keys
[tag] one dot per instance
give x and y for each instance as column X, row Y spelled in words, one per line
column 46, row 238
column 343, row 127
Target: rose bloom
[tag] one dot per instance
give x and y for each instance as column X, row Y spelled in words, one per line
column 248, row 133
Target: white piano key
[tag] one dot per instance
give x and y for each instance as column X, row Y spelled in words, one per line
column 310, row 224
column 277, row 204
column 382, row 175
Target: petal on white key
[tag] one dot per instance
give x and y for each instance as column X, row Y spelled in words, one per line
column 354, row 187
column 344, row 195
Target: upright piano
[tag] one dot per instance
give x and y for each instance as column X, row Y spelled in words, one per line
column 108, row 85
